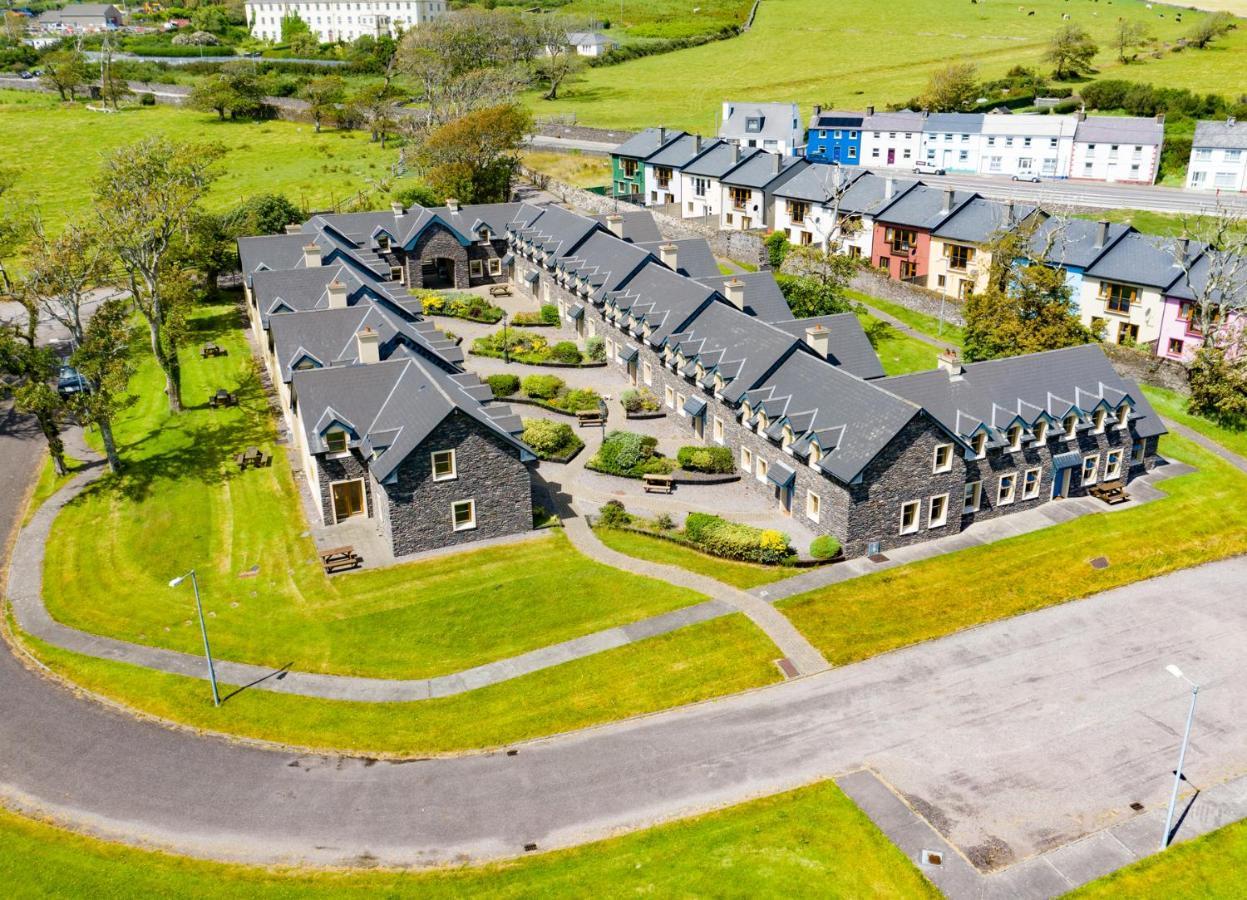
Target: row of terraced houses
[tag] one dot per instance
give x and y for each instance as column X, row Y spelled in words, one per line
column 389, row 425
column 1130, row 287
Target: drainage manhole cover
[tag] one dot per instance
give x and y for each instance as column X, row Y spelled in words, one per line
column 932, row 857
column 877, row 558
column 1100, row 562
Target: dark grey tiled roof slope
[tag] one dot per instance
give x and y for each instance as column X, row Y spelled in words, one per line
column 1143, row 259
column 1131, row 130
column 720, row 159
column 818, row 183
column 638, row 225
column 953, row 123
column 765, row 170
column 848, row 346
column 301, row 289
column 1074, row 242
column 694, row 257
column 923, row 207
column 680, row 152
column 1221, row 134
column 763, row 298
column 979, row 220
column 646, row 143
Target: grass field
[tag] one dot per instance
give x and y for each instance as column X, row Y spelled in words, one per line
column 900, row 353
column 657, row 18
column 49, row 483
column 181, row 503
column 738, row 574
column 1173, row 406
column 583, row 170
column 1213, row 867
column 809, row 841
column 1202, row 519
column 850, row 54
column 62, row 146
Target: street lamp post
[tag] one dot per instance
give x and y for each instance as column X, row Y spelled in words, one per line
column 203, row 629
column 506, row 344
column 1186, row 738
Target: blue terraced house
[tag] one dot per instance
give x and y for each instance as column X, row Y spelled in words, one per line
column 834, row 137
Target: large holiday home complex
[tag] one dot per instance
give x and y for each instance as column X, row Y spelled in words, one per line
column 391, row 427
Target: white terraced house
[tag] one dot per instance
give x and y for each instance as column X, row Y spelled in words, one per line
column 342, row 20
column 1218, row 157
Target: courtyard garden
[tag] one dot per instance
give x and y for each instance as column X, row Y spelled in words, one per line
column 459, row 305
column 547, row 391
column 534, row 349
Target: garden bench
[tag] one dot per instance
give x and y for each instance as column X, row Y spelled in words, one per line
column 500, row 290
column 337, row 559
column 591, row 417
column 1111, row 492
column 222, row 398
column 211, row 349
column 252, row 456
column 657, row 483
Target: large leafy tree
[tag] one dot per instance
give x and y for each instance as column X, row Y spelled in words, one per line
column 29, row 368
column 65, row 71
column 474, row 158
column 1071, row 50
column 559, row 62
column 324, row 95
column 104, row 359
column 63, row 272
column 147, row 200
column 952, row 88
column 236, row 91
column 817, row 285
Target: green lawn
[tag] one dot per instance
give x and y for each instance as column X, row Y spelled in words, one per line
column 848, row 55
column 900, row 353
column 1202, row 519
column 699, row 662
column 1172, row 405
column 950, row 334
column 583, row 170
column 182, row 503
column 49, row 483
column 1166, row 224
column 738, row 574
column 62, row 146
column 809, row 841
column 1213, row 867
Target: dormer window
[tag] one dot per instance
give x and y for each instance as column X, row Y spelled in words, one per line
column 335, row 441
column 718, row 383
column 1015, row 438
column 700, row 372
column 763, row 424
column 1071, row 426
column 1123, row 415
column 1041, row 431
column 979, row 444
column 1098, row 420
column 486, row 237
column 786, row 440
column 816, row 454
column 383, row 243
column 746, row 412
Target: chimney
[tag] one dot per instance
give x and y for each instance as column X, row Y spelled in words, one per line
column 777, row 163
column 337, row 295
column 1180, row 251
column 1009, row 214
column 947, row 205
column 1081, row 115
column 311, row 256
column 1101, row 233
column 734, row 290
column 368, row 343
column 870, row 110
column 1160, row 118
column 397, row 209
column 294, row 229
column 735, row 153
column 817, row 109
column 452, row 204
column 1230, row 120
column 950, row 362
column 697, row 143
column 615, row 223
column 818, row 337
column 889, row 186
column 662, row 135
column 670, row 255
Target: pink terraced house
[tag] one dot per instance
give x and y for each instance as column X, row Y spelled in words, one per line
column 1180, row 327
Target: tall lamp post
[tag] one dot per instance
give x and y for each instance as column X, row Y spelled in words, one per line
column 1186, row 738
column 203, row 629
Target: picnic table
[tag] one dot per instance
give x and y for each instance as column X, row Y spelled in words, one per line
column 1111, row 492
column 337, row 559
column 211, row 349
column 658, row 483
column 222, row 398
column 500, row 290
column 252, row 456
column 592, row 416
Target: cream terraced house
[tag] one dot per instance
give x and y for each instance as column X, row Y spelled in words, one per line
column 343, row 20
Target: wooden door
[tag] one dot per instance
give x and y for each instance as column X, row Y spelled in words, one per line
column 348, row 499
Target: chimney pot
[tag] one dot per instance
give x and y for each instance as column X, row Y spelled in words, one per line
column 670, row 256
column 452, row 204
column 735, row 153
column 662, row 134
column 1101, row 233
column 1230, row 120
column 615, row 223
column 889, row 187
column 397, row 209
column 948, row 201
column 777, row 163
column 311, row 256
column 1009, row 213
column 950, row 362
column 293, row 229
column 1181, row 251
column 818, row 338
column 337, row 295
column 697, row 143
column 734, row 290
column 870, row 110
column 1160, row 119
column 817, row 109
column 368, row 343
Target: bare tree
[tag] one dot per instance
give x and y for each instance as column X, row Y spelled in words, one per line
column 1212, row 253
column 1127, row 35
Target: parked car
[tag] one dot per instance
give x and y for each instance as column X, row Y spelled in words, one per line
column 1029, row 176
column 26, row 76
column 927, row 168
column 70, row 382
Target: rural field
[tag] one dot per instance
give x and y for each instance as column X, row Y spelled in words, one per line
column 847, row 54
column 61, row 146
column 656, row 18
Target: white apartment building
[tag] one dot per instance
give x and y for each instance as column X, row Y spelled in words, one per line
column 1116, row 148
column 1027, row 145
column 892, row 138
column 342, row 20
column 1218, row 157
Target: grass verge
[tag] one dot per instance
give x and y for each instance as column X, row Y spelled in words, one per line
column 898, row 352
column 950, row 334
column 696, row 663
column 742, row 575
column 809, row 840
column 1203, row 519
column 181, row 502
column 49, row 483
column 1172, row 405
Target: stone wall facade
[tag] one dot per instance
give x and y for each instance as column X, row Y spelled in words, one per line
column 343, row 468
column 488, row 471
column 1154, row 370
column 876, row 284
column 439, row 242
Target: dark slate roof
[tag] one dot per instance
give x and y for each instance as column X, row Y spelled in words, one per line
column 923, row 207
column 638, row 225
column 979, row 220
column 557, row 231
column 765, row 170
column 1120, row 130
column 328, row 338
column 778, row 121
column 818, row 183
column 1229, row 282
column 953, row 123
column 293, row 290
column 646, row 143
column 740, row 348
column 663, row 299
column 694, row 257
column 763, row 298
column 904, row 120
column 606, row 260
column 1143, row 259
column 389, row 408
column 680, row 152
column 1221, row 134
column 997, row 392
column 833, row 118
column 868, row 194
column 1074, row 242
column 720, row 159
column 847, row 344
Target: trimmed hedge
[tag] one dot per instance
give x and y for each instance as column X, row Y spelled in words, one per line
column 635, row 401
column 551, row 440
column 547, row 317
column 503, row 385
column 733, row 540
column 543, row 387
column 472, row 307
column 714, row 460
column 824, row 547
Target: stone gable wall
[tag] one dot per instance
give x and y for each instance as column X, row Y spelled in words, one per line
column 344, row 468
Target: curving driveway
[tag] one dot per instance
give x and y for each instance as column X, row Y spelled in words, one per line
column 1012, row 738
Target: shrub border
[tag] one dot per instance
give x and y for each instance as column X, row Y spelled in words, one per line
column 446, row 315
column 645, row 415
column 515, row 398
column 550, row 364
column 793, row 562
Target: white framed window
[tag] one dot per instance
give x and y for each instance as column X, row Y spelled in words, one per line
column 1071, row 426
column 669, row 397
column 813, row 505
column 761, row 469
column 937, row 511
column 679, row 405
column 1015, row 438
column 397, row 273
column 972, row 497
column 1123, row 415
column 647, row 372
column 1136, row 453
column 495, row 266
column 1090, row 465
column 979, row 445
column 1031, row 479
column 1006, row 489
column 474, row 268
column 943, row 458
column 1097, row 419
column 335, row 442
column 463, row 515
column 1041, row 431
column 746, row 459
column 718, row 430
column 909, row 517
column 444, row 465
column 1112, row 465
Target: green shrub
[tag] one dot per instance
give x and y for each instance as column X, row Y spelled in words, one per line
column 549, row 314
column 549, row 439
column 824, row 547
column 595, row 347
column 630, row 455
column 664, row 522
column 580, row 400
column 635, row 401
column 696, row 525
column 613, row 514
column 565, row 352
column 543, row 387
column 706, row 459
column 503, row 385
column 777, row 247
column 733, row 540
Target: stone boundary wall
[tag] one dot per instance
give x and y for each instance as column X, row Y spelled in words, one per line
column 1147, row 369
column 554, row 128
column 868, row 281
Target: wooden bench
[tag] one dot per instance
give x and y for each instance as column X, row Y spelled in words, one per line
column 500, row 290
column 338, row 559
column 1111, row 492
column 591, row 417
column 211, row 349
column 253, row 456
column 657, row 483
column 222, row 398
